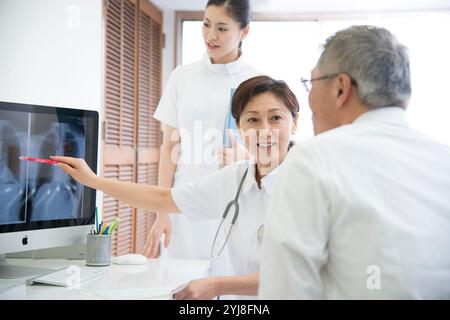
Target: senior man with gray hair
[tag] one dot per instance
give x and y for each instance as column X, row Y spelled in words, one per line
column 362, row 210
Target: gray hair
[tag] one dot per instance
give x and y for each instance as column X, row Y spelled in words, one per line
column 375, row 59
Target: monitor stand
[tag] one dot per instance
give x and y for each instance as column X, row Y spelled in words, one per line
column 11, row 271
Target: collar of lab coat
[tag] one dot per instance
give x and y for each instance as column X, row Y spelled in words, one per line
column 392, row 115
column 266, row 183
column 226, row 69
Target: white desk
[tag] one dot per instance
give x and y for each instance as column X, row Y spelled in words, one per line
column 121, row 281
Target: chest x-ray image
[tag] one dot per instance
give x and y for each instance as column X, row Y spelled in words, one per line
column 32, row 191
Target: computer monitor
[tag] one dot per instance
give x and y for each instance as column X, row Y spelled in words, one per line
column 40, row 205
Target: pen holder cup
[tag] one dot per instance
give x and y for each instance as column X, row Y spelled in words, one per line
column 98, row 250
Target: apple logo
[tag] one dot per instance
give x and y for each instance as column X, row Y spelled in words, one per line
column 25, row 240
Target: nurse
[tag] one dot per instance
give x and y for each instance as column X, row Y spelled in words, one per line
column 266, row 114
column 193, row 112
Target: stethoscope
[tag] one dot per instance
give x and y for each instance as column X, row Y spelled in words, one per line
column 233, row 203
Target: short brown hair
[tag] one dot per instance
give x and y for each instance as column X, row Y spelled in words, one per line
column 258, row 85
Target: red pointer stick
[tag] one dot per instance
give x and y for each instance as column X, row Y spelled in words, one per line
column 47, row 161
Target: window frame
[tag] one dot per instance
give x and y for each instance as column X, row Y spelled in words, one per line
column 182, row 16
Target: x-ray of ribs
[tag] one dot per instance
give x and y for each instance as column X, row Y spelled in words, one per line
column 52, row 189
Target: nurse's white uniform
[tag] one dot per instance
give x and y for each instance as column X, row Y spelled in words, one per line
column 207, row 198
column 196, row 101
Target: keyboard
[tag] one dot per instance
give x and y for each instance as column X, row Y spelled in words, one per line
column 70, row 276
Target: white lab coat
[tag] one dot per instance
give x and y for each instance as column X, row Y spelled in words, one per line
column 196, row 99
column 208, row 197
column 360, row 212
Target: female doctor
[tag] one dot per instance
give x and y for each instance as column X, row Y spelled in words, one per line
column 266, row 114
column 193, row 111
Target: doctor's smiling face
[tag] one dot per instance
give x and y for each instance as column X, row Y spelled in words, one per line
column 224, row 28
column 266, row 113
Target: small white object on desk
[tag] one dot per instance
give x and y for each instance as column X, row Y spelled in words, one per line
column 131, row 258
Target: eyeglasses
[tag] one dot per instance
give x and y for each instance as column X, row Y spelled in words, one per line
column 307, row 82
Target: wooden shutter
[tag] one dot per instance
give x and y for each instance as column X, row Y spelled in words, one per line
column 132, row 90
column 148, row 138
column 120, row 114
column 123, row 237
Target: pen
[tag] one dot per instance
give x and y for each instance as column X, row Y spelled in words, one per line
column 41, row 160
column 114, row 225
column 100, row 227
column 106, row 230
column 96, row 220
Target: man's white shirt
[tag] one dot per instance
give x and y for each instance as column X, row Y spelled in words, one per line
column 360, row 212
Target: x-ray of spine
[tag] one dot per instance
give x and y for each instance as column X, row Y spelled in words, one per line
column 33, row 191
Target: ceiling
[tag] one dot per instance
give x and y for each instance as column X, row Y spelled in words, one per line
column 317, row 6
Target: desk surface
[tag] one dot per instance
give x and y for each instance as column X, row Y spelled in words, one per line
column 153, row 280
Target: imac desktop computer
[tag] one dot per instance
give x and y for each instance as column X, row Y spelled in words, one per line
column 40, row 205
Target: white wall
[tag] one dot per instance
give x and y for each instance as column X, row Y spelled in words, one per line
column 169, row 49
column 51, row 53
column 322, row 6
